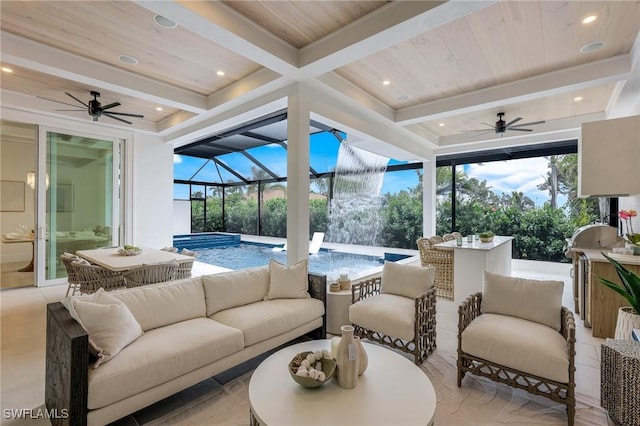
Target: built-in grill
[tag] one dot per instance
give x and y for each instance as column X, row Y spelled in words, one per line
column 593, row 237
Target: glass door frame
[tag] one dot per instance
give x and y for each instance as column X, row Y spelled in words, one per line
column 119, row 182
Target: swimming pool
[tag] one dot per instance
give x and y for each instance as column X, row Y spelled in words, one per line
column 251, row 255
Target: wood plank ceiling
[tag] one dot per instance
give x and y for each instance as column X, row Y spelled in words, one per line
column 257, row 45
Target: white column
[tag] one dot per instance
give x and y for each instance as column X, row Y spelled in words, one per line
column 429, row 198
column 298, row 117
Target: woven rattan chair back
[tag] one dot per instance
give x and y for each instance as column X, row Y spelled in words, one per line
column 448, row 237
column 184, row 269
column 72, row 279
column 456, row 235
column 436, row 239
column 151, row 274
column 92, row 277
column 442, row 260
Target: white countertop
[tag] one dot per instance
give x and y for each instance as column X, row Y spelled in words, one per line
column 498, row 240
column 595, row 255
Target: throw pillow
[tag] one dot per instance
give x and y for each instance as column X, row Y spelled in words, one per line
column 108, row 321
column 406, row 280
column 288, row 283
column 532, row 300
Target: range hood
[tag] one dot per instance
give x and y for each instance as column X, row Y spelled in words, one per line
column 608, row 158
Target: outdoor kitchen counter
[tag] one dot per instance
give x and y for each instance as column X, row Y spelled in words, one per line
column 604, row 302
column 471, row 259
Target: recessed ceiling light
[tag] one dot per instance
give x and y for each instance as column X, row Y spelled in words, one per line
column 589, row 19
column 441, row 124
column 403, row 98
column 591, row 47
column 128, row 59
column 158, row 108
column 164, row 22
column 220, row 73
column 386, row 82
column 577, row 98
column 7, row 69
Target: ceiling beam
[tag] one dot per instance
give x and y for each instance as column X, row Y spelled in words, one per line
column 38, row 57
column 552, row 83
column 386, row 26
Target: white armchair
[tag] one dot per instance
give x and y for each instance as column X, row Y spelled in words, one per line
column 517, row 332
column 397, row 309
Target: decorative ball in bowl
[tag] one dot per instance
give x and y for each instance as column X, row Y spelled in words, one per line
column 312, row 369
column 486, row 237
column 129, row 251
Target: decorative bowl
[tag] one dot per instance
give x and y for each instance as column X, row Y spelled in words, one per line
column 129, row 252
column 486, row 239
column 328, row 367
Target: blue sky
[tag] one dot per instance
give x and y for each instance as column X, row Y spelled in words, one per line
column 501, row 176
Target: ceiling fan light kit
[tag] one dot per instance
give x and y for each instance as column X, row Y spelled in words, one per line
column 96, row 109
column 501, row 126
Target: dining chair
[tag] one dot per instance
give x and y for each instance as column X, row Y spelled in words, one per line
column 92, row 277
column 151, row 274
column 436, row 239
column 448, row 237
column 184, row 269
column 72, row 276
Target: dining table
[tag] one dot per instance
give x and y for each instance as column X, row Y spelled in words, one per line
column 111, row 259
column 472, row 258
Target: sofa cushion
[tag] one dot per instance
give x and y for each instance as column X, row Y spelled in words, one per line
column 235, row 288
column 533, row 300
column 107, row 320
column 167, row 303
column 386, row 313
column 160, row 355
column 520, row 344
column 288, row 282
column 262, row 320
column 406, row 280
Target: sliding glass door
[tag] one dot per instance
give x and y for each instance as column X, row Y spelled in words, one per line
column 78, row 198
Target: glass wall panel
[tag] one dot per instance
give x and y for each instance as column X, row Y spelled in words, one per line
column 197, row 215
column 184, row 167
column 318, row 204
column 241, row 211
column 213, row 208
column 444, row 203
column 273, row 209
column 273, row 156
column 402, row 212
column 80, row 197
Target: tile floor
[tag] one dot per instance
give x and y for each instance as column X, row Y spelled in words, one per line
column 22, row 331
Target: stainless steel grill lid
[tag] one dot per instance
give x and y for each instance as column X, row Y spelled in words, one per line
column 595, row 237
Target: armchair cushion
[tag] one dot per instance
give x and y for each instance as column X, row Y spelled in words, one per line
column 533, row 300
column 406, row 280
column 519, row 344
column 387, row 314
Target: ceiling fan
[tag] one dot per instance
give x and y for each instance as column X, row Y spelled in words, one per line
column 95, row 108
column 500, row 127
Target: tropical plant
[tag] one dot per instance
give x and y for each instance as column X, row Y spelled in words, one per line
column 630, row 288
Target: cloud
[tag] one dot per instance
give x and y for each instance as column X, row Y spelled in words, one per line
column 177, row 159
column 522, row 175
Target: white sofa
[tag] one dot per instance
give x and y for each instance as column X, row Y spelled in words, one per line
column 190, row 330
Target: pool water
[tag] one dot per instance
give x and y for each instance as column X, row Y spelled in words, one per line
column 252, row 255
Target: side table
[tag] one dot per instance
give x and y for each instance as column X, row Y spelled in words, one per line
column 620, row 380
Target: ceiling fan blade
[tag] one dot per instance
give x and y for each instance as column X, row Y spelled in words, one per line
column 520, row 130
column 82, row 110
column 530, row 124
column 53, row 100
column 70, row 95
column 124, row 113
column 108, row 114
column 111, row 105
column 515, row 120
column 493, row 126
column 478, row 130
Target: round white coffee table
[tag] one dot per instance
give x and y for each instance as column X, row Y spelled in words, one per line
column 392, row 391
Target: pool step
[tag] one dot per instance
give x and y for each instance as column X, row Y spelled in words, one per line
column 205, row 240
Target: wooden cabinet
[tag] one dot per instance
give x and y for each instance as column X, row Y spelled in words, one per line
column 609, row 154
column 605, row 302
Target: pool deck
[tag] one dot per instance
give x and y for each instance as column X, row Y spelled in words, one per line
column 200, row 268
